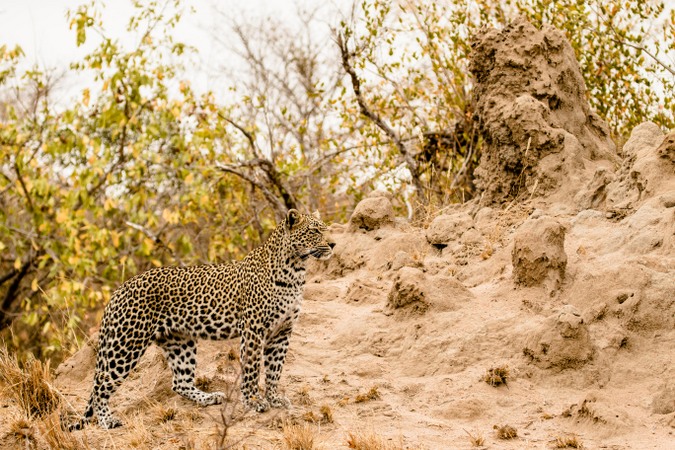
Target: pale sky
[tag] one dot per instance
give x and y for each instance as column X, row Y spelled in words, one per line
column 40, row 27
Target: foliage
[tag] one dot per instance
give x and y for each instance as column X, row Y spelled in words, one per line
column 411, row 58
column 120, row 181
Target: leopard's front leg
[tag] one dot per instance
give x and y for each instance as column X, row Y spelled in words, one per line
column 251, row 353
column 275, row 355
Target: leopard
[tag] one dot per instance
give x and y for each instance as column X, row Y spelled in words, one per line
column 256, row 299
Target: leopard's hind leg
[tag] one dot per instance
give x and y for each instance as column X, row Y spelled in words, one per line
column 118, row 355
column 181, row 354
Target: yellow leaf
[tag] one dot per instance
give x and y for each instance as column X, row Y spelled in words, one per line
column 34, row 285
column 170, row 216
column 204, row 200
column 2, row 246
column 61, row 216
column 108, row 204
column 115, row 239
column 189, row 178
column 156, row 262
column 85, row 96
column 17, row 263
column 147, row 245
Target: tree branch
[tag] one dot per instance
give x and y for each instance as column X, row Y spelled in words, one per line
column 265, row 165
column 273, row 200
column 249, row 136
column 413, row 166
column 12, row 291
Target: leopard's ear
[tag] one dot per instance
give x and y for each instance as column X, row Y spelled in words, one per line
column 316, row 215
column 293, row 217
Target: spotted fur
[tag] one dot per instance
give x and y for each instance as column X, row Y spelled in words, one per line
column 257, row 299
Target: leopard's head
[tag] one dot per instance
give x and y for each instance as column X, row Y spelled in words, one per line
column 309, row 235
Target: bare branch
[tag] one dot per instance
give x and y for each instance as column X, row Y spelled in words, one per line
column 249, row 136
column 664, row 65
column 377, row 120
column 144, row 230
column 273, row 200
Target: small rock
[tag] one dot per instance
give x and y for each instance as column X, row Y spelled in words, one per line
column 561, row 342
column 472, row 237
column 539, row 253
column 372, row 214
column 664, row 400
column 403, row 259
column 447, row 228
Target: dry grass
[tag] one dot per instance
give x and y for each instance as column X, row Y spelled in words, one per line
column 138, row 434
column 368, row 440
column 29, row 384
column 299, row 436
column 165, row 414
column 326, row 414
column 303, row 396
column 232, row 354
column 365, row 441
column 506, row 432
column 496, row 376
column 570, row 441
column 325, row 417
column 203, row 383
column 309, row 416
column 344, row 401
column 372, row 394
column 476, row 440
column 22, row 430
column 57, row 438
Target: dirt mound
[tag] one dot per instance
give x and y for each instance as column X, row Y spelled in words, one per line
column 539, row 130
column 572, row 293
column 539, row 253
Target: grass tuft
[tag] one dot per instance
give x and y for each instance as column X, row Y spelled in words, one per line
column 372, row 394
column 476, row 440
column 22, row 429
column 203, row 383
column 506, row 432
column 58, row 438
column 497, row 376
column 570, row 441
column 326, row 414
column 29, row 384
column 166, row 414
column 368, row 440
column 303, row 396
column 365, row 441
column 299, row 436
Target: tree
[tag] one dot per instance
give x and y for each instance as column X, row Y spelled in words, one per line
column 285, row 84
column 122, row 180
